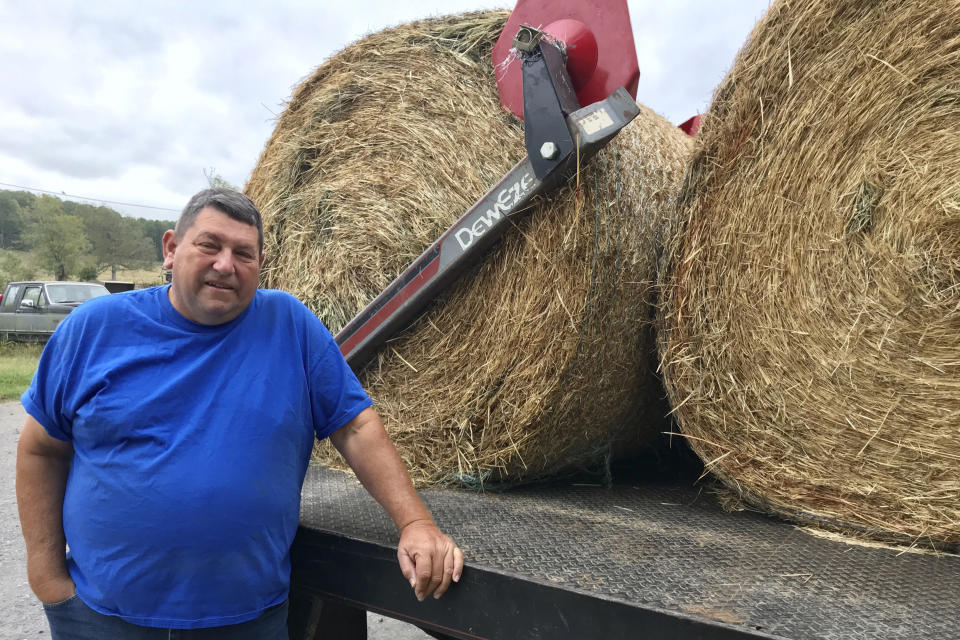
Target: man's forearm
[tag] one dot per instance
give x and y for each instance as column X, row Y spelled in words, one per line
column 41, row 481
column 428, row 558
column 365, row 446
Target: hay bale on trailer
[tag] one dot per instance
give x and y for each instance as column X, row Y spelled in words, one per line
column 810, row 325
column 531, row 363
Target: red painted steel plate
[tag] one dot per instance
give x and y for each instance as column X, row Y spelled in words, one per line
column 608, row 20
column 691, row 126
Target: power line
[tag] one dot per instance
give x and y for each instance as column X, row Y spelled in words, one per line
column 70, row 195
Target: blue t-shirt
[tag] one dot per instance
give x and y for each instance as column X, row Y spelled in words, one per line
column 190, row 447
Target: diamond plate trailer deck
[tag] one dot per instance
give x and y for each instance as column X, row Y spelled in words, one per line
column 646, row 559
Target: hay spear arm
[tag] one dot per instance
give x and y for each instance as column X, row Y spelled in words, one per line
column 560, row 137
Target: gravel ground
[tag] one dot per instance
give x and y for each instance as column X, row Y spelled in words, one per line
column 21, row 615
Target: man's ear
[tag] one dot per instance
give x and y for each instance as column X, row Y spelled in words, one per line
column 169, row 244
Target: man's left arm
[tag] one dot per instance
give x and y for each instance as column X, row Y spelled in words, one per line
column 429, row 559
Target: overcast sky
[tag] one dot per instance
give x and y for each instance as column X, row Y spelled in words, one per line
column 130, row 102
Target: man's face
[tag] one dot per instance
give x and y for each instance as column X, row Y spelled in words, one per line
column 216, row 266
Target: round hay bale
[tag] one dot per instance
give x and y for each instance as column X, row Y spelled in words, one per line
column 810, row 322
column 533, row 362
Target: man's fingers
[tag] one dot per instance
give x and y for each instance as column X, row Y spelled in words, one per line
column 437, row 576
column 407, row 567
column 457, row 563
column 424, row 576
column 449, row 560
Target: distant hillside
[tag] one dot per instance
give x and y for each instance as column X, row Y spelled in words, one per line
column 65, row 239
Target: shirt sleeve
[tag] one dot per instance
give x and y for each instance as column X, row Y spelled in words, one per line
column 336, row 395
column 46, row 400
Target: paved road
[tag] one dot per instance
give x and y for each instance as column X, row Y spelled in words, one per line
column 21, row 615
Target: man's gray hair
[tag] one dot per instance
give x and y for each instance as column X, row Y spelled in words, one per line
column 227, row 201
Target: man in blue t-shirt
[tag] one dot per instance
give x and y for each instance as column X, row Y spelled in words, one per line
column 166, row 442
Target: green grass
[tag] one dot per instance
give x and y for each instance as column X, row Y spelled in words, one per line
column 18, row 361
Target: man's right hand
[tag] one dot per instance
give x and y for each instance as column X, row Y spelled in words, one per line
column 51, row 589
column 42, row 467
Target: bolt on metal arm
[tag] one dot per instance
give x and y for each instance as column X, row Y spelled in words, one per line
column 548, row 98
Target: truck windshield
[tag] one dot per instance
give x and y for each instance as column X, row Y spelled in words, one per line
column 64, row 293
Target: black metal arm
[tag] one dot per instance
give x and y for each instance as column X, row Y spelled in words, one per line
column 555, row 127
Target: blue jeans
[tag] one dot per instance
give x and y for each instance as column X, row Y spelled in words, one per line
column 74, row 620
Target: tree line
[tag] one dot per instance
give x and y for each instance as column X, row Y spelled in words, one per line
column 73, row 240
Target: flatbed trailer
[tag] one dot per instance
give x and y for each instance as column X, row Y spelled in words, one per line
column 649, row 558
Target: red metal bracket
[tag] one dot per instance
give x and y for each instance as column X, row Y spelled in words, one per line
column 690, row 126
column 601, row 51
